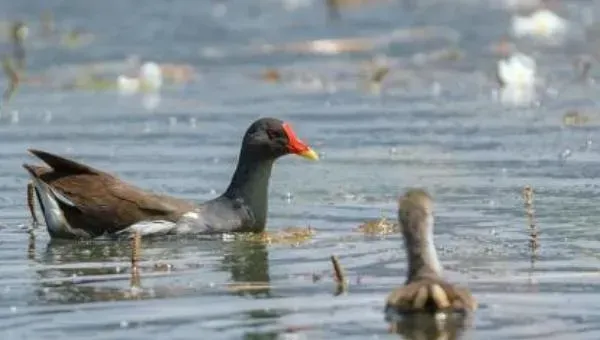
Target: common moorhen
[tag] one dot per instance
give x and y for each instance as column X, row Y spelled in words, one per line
column 80, row 202
column 424, row 290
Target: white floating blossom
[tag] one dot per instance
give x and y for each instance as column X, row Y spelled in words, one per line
column 518, row 70
column 541, row 24
column 150, row 79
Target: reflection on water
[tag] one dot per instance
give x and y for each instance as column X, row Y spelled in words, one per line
column 428, row 327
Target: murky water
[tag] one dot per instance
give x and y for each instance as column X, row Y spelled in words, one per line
column 434, row 125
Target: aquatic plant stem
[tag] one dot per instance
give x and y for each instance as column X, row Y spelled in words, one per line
column 339, row 275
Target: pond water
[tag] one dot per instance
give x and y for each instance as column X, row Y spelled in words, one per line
column 434, row 124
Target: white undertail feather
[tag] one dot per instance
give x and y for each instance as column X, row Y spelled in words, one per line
column 48, row 199
column 144, row 228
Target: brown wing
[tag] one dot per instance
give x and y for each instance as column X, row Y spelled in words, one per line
column 102, row 202
column 431, row 295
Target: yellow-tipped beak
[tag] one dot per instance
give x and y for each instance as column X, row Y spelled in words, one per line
column 309, row 154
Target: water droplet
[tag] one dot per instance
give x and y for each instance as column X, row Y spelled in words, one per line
column 13, row 309
column 193, row 122
column 124, row 324
column 172, row 121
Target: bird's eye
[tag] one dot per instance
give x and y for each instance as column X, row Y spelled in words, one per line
column 273, row 134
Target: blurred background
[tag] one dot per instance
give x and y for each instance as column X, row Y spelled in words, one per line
column 471, row 99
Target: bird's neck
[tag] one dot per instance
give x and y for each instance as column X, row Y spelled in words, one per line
column 420, row 251
column 250, row 183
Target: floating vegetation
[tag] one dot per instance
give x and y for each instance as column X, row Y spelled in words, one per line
column 271, row 75
column 379, row 74
column 76, row 38
column 452, row 53
column 248, row 286
column 291, row 236
column 177, row 73
column 575, row 118
column 19, row 32
column 379, row 227
column 91, row 82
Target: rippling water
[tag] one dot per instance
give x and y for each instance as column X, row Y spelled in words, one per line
column 434, row 125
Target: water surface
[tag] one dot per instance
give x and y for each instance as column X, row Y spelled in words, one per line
column 434, row 125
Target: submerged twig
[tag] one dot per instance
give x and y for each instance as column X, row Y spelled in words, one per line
column 19, row 32
column 339, row 275
column 31, row 245
column 13, row 79
column 31, row 203
column 249, row 286
column 533, row 231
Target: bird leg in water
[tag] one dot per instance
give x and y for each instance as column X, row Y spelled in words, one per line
column 31, row 203
column 136, row 244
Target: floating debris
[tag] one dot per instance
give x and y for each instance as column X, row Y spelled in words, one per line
column 379, row 227
column 271, row 75
column 249, row 286
column 76, row 38
column 177, row 73
column 575, row 118
column 291, row 235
